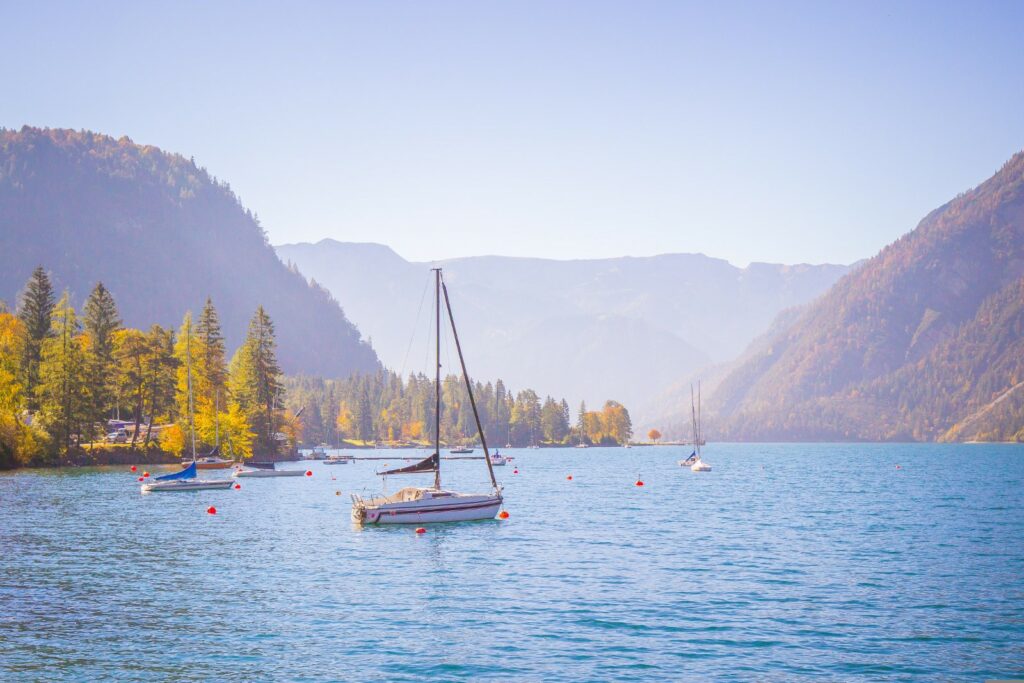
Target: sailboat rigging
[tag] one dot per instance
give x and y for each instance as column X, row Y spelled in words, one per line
column 412, row 504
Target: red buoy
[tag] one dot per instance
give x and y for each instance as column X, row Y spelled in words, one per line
column 238, row 486
column 134, row 468
column 569, row 477
column 503, row 515
column 142, row 479
column 421, row 530
column 309, row 473
column 515, row 471
column 639, row 483
column 145, row 474
column 211, row 510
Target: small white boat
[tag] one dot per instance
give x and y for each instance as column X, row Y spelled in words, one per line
column 415, row 505
column 338, row 460
column 694, row 462
column 184, row 481
column 461, row 451
column 498, row 460
column 265, row 470
column 318, row 452
column 700, row 466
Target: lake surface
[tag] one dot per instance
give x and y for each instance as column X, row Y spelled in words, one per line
column 786, row 562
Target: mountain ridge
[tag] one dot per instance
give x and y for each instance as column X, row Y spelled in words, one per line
column 162, row 234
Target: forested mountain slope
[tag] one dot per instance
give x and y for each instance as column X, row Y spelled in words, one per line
column 924, row 341
column 162, row 235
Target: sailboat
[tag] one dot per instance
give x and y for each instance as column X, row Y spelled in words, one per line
column 694, row 462
column 186, row 480
column 417, row 505
column 265, row 469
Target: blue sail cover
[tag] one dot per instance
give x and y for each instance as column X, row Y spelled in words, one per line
column 187, row 473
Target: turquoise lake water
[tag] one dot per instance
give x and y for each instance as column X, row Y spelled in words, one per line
column 786, row 562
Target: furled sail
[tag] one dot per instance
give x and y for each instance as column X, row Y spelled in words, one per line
column 187, row 473
column 429, row 464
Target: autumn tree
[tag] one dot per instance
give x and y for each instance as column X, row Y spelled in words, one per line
column 654, row 435
column 62, row 392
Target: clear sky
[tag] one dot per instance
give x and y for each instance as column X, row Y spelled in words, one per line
column 784, row 132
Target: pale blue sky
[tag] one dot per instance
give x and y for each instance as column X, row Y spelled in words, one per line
column 782, row 132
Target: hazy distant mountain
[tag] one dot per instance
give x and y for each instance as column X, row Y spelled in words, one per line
column 924, row 341
column 622, row 328
column 162, row 235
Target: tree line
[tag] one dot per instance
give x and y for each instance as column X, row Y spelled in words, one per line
column 64, row 376
column 385, row 408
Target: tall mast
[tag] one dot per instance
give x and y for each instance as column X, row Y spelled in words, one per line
column 693, row 420
column 469, row 384
column 437, row 377
column 700, row 427
column 188, row 374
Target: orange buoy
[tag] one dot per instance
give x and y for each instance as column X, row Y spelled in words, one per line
column 238, row 486
column 134, row 468
column 145, row 474
column 337, row 493
column 503, row 515
column 309, row 473
column 421, row 530
column 211, row 510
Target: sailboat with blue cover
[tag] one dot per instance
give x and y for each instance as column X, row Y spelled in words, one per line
column 186, row 480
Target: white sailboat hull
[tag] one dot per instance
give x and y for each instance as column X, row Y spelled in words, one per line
column 186, row 485
column 432, row 507
column 268, row 473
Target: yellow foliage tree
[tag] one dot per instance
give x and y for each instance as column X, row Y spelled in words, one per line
column 172, row 439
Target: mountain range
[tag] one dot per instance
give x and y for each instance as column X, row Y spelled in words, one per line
column 925, row 341
column 619, row 328
column 162, row 234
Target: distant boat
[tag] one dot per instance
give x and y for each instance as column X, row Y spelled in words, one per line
column 265, row 470
column 186, row 480
column 338, row 460
column 694, row 462
column 210, row 461
column 419, row 505
column 498, row 460
column 318, row 452
column 460, row 451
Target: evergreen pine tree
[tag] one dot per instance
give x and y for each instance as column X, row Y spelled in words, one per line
column 62, row 390
column 35, row 310
column 101, row 321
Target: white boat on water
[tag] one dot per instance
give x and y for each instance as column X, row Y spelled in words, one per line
column 695, row 462
column 421, row 505
column 184, row 480
column 265, row 470
column 498, row 460
column 338, row 459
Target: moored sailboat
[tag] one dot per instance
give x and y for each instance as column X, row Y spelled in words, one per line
column 186, row 480
column 419, row 505
column 694, row 462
